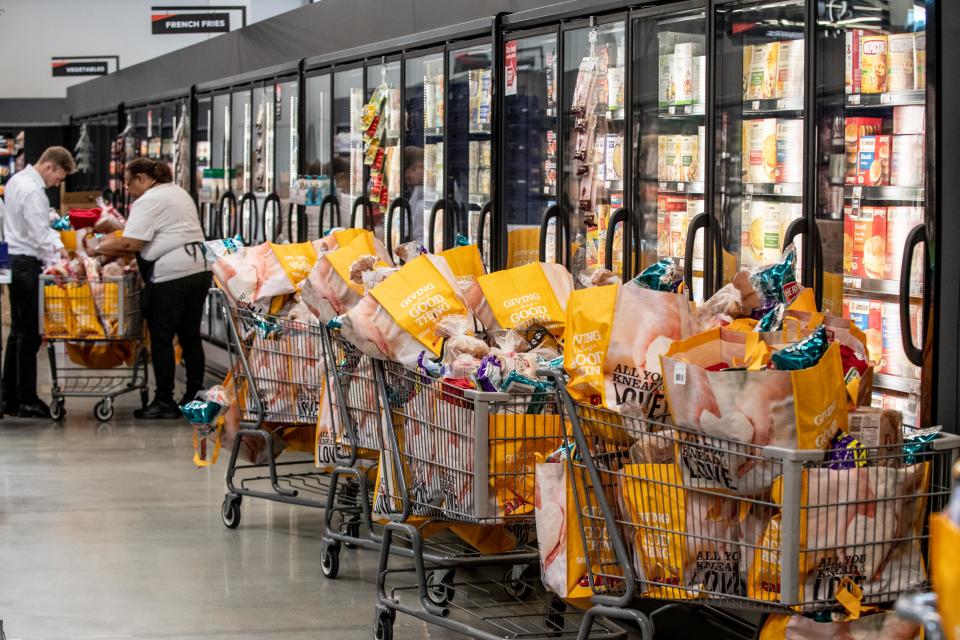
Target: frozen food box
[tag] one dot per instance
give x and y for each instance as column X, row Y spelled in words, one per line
column 854, row 129
column 907, row 167
column 790, row 69
column 762, row 82
column 873, row 63
column 685, row 77
column 909, row 119
column 880, row 431
column 851, row 76
column 665, row 93
column 900, row 220
column 920, row 60
column 789, row 167
column 895, row 361
column 760, row 150
column 663, row 227
column 760, row 232
column 873, row 161
column 900, row 62
column 865, row 242
column 868, row 316
column 689, row 158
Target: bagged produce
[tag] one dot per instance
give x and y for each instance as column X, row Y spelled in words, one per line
column 614, row 338
column 329, row 289
column 717, row 384
column 528, row 297
column 397, row 319
column 944, row 555
column 861, row 523
column 880, row 626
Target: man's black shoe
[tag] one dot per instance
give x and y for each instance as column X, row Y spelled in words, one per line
column 158, row 410
column 36, row 409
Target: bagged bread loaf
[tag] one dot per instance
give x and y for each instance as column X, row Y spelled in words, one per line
column 330, row 289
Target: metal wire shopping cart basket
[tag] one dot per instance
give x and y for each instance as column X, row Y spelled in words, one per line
column 95, row 339
column 466, row 458
column 670, row 514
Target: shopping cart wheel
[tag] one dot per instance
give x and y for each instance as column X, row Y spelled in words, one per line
column 440, row 586
column 517, row 581
column 330, row 560
column 57, row 410
column 230, row 511
column 103, row 410
column 384, row 625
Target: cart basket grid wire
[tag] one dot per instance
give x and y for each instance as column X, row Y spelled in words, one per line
column 286, row 368
column 80, row 309
column 465, row 455
column 712, row 520
column 352, row 370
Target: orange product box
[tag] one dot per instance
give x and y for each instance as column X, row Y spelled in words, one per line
column 868, row 316
column 873, row 161
column 853, row 130
column 873, row 63
column 671, row 225
column 865, row 242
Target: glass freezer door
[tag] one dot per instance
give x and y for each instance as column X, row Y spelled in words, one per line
column 468, row 142
column 669, row 94
column 240, row 139
column 348, row 141
column 530, row 147
column 759, row 119
column 263, row 134
column 423, row 105
column 593, row 130
column 286, row 105
column 871, row 84
column 383, row 176
column 318, row 169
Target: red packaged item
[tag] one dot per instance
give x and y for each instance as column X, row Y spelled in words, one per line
column 83, row 218
column 865, row 241
column 853, row 130
column 377, row 165
column 873, row 161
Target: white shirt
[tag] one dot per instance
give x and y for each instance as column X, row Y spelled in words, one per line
column 165, row 217
column 26, row 223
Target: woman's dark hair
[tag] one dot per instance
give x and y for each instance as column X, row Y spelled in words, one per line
column 156, row 169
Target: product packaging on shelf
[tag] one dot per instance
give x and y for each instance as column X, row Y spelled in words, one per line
column 909, row 119
column 873, row 63
column 790, row 69
column 900, row 220
column 907, row 168
column 789, row 167
column 867, row 315
column 854, row 129
column 895, row 361
column 760, row 150
column 762, row 62
column 873, row 160
column 920, row 60
column 865, row 239
column 900, row 60
column 685, row 73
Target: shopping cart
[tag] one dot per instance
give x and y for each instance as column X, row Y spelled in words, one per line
column 95, row 341
column 766, row 538
column 463, row 457
column 278, row 372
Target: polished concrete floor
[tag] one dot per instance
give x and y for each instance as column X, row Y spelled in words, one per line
column 109, row 531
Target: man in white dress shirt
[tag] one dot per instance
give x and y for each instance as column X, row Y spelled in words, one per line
column 31, row 241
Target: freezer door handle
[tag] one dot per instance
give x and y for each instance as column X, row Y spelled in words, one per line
column 232, row 216
column 406, row 222
column 553, row 211
column 700, row 221
column 916, row 236
column 619, row 216
column 482, row 224
column 277, row 224
column 252, row 199
column 797, row 228
column 334, row 204
column 362, row 201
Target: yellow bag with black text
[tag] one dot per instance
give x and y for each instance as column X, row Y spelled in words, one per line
column 717, row 384
column 523, row 246
column 465, row 263
column 879, row 626
column 615, row 335
column 944, row 560
column 531, row 299
column 859, row 525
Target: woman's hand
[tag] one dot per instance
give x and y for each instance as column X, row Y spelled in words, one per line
column 117, row 246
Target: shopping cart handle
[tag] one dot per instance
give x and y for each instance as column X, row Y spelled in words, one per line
column 552, row 374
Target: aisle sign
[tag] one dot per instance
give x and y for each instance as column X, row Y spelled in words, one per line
column 510, row 71
column 63, row 68
column 173, row 23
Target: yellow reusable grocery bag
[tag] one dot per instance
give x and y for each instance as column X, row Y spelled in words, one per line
column 518, row 442
column 343, row 258
column 465, row 262
column 944, row 560
column 57, row 316
column 523, row 247
column 524, row 298
column 295, row 259
column 86, row 320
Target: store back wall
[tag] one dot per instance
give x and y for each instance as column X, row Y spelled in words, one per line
column 320, row 28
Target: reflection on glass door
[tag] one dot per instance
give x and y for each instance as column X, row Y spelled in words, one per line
column 469, row 140
column 316, row 141
column 593, row 129
column 530, row 152
column 423, row 179
column 669, row 81
column 286, row 108
column 348, row 141
column 759, row 119
column 383, row 184
column 240, row 139
column 201, row 154
column 871, row 83
column 263, row 143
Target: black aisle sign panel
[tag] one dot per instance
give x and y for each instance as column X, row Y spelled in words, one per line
column 80, row 68
column 168, row 23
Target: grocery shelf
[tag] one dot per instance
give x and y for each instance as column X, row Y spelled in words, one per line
column 433, row 132
column 477, row 129
column 896, row 383
column 889, row 99
column 856, row 285
column 906, row 194
column 791, row 189
column 682, row 110
column 773, row 106
column 617, row 116
column 681, row 187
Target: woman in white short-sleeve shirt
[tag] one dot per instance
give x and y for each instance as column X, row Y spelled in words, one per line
column 163, row 229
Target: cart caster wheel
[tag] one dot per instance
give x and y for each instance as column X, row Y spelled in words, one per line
column 517, row 585
column 230, row 512
column 330, row 561
column 384, row 628
column 57, row 410
column 440, row 588
column 352, row 530
column 103, row 410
